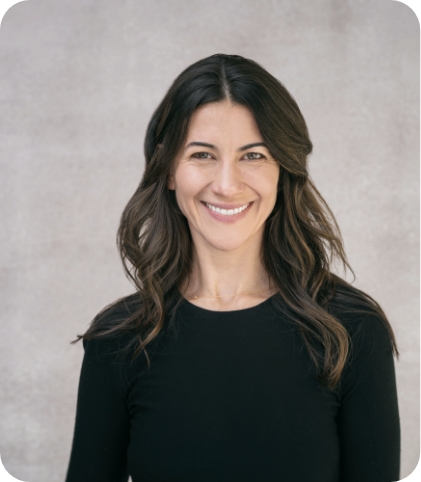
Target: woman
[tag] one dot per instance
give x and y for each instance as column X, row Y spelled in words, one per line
column 241, row 356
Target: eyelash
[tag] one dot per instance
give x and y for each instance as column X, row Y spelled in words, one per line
column 196, row 155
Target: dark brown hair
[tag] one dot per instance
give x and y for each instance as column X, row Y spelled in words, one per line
column 301, row 237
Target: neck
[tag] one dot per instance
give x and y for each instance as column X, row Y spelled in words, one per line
column 217, row 276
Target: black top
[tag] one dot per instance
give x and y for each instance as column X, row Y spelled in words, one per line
column 233, row 396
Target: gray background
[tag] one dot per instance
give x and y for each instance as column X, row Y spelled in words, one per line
column 79, row 81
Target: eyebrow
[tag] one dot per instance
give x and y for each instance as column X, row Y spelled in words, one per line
column 211, row 146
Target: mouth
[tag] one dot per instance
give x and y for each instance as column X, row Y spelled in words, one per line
column 227, row 212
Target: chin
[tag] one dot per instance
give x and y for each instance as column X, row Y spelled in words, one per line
column 226, row 245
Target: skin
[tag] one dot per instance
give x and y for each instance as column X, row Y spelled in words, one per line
column 226, row 254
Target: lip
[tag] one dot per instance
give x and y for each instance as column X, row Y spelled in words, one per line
column 227, row 219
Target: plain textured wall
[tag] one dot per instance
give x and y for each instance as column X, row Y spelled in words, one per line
column 79, row 81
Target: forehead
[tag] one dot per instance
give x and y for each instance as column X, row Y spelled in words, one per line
column 223, row 120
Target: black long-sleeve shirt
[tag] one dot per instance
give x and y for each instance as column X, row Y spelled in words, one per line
column 233, row 397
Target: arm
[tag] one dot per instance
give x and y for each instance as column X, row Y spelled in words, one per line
column 102, row 424
column 368, row 418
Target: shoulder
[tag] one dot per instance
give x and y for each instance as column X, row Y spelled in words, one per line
column 113, row 328
column 118, row 311
column 369, row 370
column 368, row 327
column 118, row 317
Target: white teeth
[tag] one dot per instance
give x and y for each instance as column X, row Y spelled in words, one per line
column 227, row 212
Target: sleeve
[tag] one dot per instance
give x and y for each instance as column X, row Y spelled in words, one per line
column 101, row 435
column 368, row 417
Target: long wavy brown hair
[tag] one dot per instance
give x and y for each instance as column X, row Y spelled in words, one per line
column 301, row 237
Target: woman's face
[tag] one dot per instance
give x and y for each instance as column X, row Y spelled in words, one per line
column 224, row 177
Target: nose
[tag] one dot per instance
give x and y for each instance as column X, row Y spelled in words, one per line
column 228, row 180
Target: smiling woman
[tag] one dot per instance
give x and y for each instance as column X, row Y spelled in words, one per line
column 226, row 193
column 240, row 356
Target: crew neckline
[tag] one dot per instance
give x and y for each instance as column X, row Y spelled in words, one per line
column 243, row 311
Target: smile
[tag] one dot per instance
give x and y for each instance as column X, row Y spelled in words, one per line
column 227, row 212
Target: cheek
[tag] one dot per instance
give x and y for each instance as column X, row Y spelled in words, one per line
column 265, row 184
column 188, row 184
column 272, row 183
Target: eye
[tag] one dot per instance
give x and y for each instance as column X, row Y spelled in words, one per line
column 202, row 155
column 254, row 156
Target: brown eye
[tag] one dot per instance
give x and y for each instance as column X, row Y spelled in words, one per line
column 254, row 156
column 202, row 155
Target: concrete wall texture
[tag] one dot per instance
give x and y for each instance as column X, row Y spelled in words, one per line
column 79, row 80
